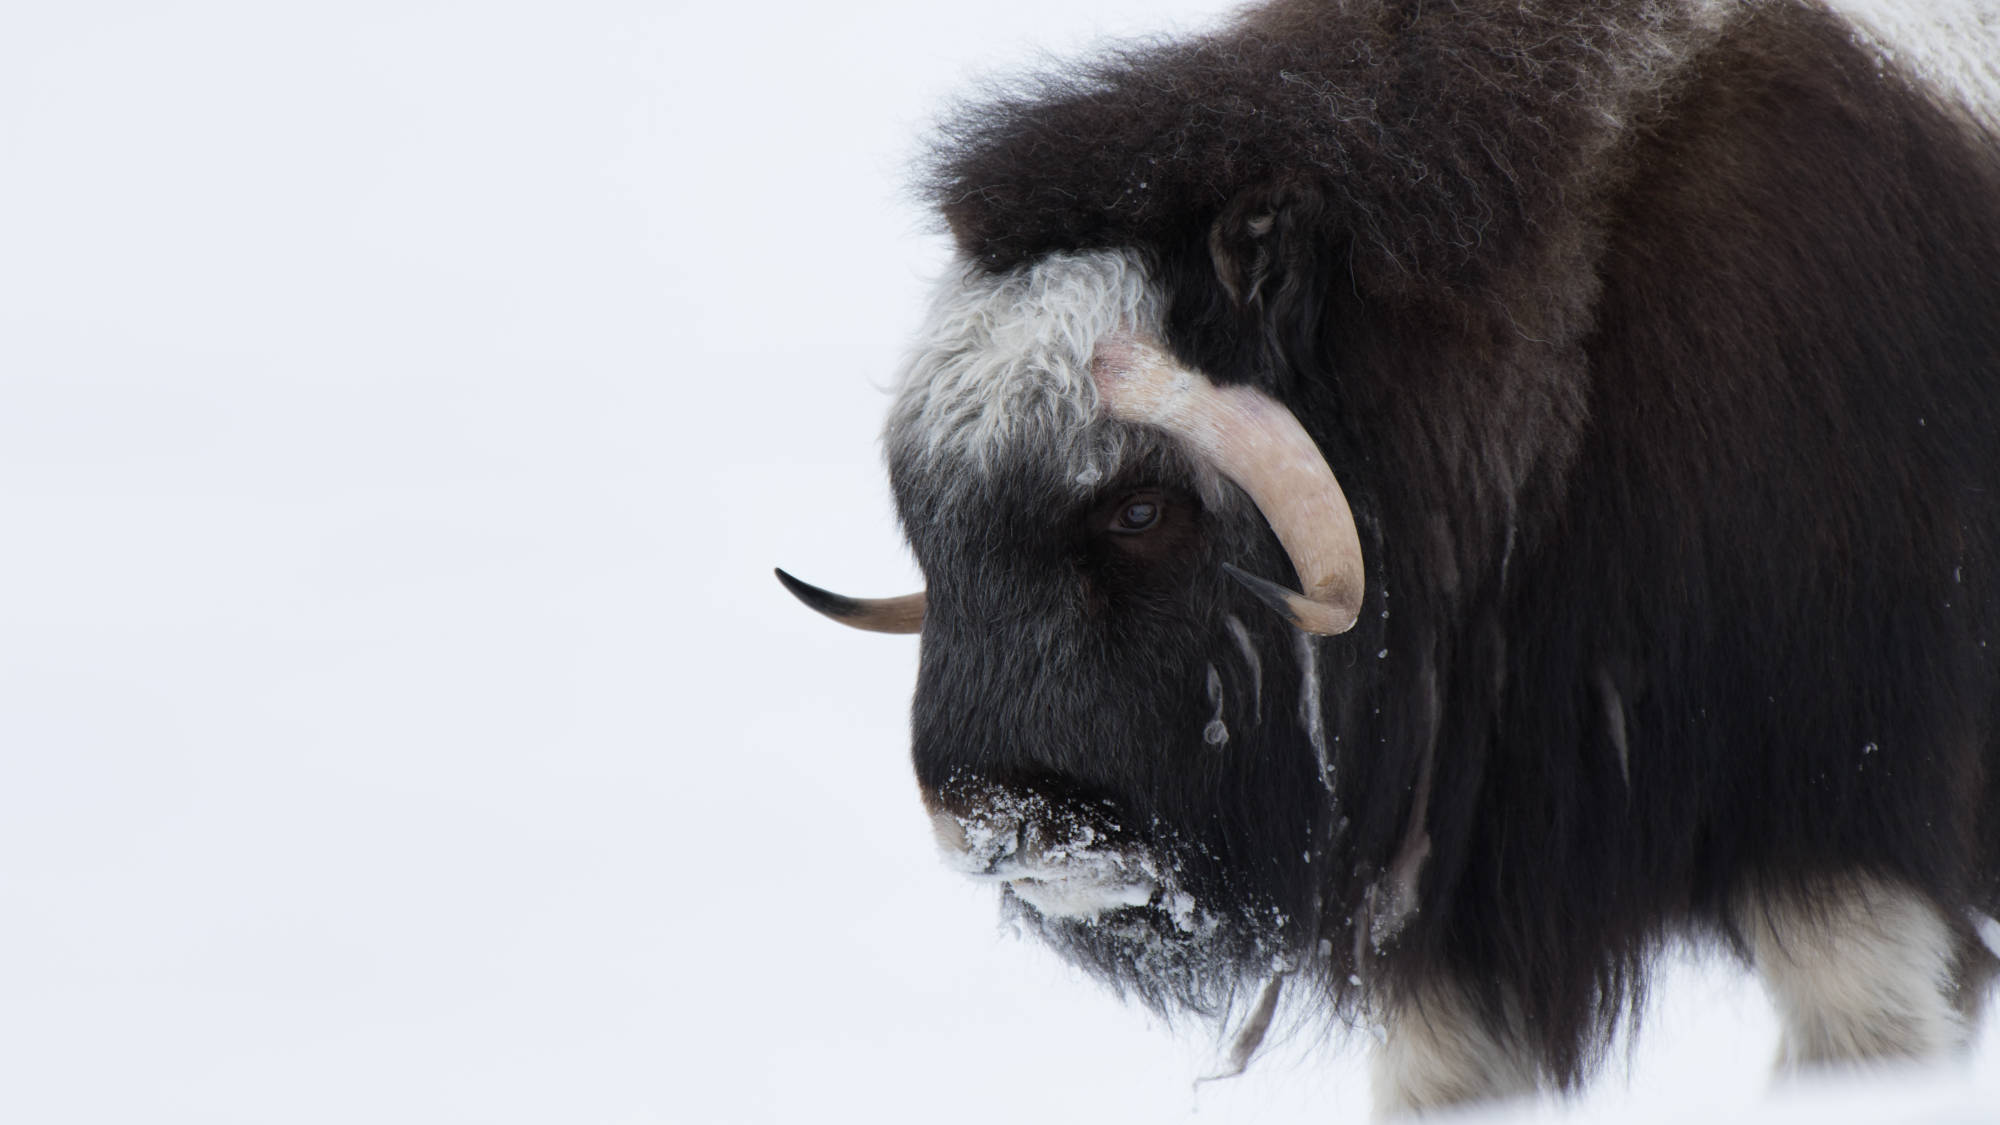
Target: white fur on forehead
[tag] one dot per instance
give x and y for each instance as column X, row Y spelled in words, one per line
column 1002, row 366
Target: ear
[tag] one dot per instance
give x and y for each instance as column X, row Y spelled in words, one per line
column 1248, row 241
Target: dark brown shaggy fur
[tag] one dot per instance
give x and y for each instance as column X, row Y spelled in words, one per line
column 1660, row 361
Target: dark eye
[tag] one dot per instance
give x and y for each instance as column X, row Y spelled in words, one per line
column 1138, row 513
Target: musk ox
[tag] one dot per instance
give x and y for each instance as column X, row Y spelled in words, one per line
column 1423, row 505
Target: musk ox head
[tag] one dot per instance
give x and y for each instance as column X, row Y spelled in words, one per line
column 1130, row 570
column 1094, row 726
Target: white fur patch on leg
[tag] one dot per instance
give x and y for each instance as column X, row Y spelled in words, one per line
column 1439, row 1053
column 1860, row 971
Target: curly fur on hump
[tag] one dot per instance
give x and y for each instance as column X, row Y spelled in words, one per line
column 1446, row 137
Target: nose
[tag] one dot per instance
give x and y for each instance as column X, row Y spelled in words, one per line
column 1064, row 862
column 949, row 832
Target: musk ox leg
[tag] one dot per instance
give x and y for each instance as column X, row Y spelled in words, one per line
column 1439, row 1051
column 1860, row 970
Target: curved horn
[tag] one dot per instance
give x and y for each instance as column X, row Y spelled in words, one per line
column 1256, row 442
column 876, row 615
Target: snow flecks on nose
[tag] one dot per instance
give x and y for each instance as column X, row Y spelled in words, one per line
column 1058, row 861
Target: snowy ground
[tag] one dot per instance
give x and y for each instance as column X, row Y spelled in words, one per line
column 402, row 404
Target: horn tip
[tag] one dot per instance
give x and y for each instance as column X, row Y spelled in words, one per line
column 823, row 601
column 1304, row 613
column 874, row 615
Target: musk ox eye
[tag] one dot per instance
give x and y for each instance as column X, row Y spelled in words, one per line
column 1137, row 528
column 1138, row 513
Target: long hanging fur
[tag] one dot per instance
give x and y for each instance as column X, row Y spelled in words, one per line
column 1657, row 346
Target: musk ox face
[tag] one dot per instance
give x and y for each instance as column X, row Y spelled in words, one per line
column 1113, row 681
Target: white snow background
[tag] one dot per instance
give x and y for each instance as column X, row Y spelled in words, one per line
column 402, row 405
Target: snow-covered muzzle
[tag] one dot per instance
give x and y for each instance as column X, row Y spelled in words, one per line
column 1066, row 860
column 1072, row 872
